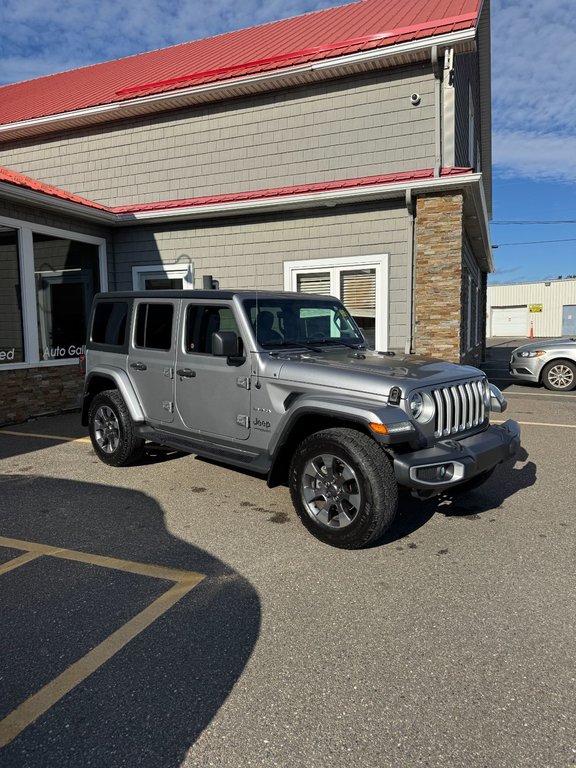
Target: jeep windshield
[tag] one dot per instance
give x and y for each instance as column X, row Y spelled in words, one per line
column 306, row 322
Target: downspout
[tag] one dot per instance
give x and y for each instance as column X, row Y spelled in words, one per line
column 437, row 69
column 411, row 274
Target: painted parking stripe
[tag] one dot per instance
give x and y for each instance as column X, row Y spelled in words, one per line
column 563, row 395
column 13, row 433
column 41, row 701
column 539, row 424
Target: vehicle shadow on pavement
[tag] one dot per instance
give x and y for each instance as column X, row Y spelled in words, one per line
column 508, row 479
column 148, row 703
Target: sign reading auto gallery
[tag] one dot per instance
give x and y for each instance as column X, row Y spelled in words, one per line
column 59, row 353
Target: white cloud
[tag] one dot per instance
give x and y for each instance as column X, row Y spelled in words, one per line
column 534, row 155
column 534, row 102
column 39, row 37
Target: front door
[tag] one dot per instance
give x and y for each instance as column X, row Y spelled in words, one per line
column 212, row 393
column 151, row 358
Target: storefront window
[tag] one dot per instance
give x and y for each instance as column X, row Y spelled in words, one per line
column 67, row 277
column 11, row 335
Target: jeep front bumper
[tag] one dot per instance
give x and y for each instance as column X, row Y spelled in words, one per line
column 454, row 461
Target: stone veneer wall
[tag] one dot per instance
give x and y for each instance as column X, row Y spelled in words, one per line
column 439, row 313
column 29, row 392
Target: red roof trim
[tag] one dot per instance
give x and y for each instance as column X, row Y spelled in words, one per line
column 284, row 192
column 407, row 177
column 19, row 180
column 358, row 41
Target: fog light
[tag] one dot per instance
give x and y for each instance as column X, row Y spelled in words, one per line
column 440, row 473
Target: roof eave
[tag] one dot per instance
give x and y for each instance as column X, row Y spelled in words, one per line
column 45, row 201
column 396, row 55
column 325, row 199
column 271, row 204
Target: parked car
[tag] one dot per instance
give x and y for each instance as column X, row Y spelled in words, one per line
column 284, row 385
column 551, row 362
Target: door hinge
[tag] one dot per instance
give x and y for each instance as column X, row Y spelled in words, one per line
column 243, row 382
column 243, row 421
column 169, row 373
column 168, row 406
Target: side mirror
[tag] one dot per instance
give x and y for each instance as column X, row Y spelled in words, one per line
column 498, row 403
column 224, row 344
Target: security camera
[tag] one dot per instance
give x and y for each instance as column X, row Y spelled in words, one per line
column 415, row 99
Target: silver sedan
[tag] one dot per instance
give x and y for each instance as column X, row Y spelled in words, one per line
column 551, row 362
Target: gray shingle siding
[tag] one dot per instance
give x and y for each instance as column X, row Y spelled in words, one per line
column 344, row 128
column 249, row 252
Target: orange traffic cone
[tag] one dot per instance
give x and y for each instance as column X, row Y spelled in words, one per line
column 531, row 334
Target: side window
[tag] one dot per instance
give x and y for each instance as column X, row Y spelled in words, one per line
column 154, row 326
column 204, row 320
column 109, row 325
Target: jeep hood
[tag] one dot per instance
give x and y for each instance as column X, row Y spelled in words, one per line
column 369, row 372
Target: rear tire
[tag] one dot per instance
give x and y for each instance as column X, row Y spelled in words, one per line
column 559, row 376
column 343, row 488
column 112, row 430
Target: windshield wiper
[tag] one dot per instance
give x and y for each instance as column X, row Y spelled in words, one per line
column 341, row 343
column 292, row 344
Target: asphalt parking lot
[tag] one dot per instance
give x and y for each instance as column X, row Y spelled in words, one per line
column 176, row 613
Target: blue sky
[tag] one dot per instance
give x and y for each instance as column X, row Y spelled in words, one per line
column 534, row 101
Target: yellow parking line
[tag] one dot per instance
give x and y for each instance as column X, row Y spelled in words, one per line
column 37, row 704
column 16, row 562
column 13, row 433
column 539, row 424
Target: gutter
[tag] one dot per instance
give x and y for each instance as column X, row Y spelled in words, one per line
column 328, row 199
column 438, row 76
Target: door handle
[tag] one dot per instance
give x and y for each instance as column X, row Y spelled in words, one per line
column 186, row 373
column 138, row 366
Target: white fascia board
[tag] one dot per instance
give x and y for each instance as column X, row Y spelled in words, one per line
column 479, row 201
column 305, row 200
column 43, row 200
column 117, row 110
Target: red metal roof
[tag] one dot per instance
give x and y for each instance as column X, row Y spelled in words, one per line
column 407, row 177
column 325, row 34
column 19, row 180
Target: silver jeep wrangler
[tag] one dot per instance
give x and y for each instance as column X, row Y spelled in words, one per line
column 283, row 384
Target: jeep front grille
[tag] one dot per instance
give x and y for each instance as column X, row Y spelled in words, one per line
column 459, row 408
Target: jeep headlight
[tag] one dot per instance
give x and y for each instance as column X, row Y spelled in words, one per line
column 421, row 406
column 416, row 405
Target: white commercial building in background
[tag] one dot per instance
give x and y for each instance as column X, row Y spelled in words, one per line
column 546, row 309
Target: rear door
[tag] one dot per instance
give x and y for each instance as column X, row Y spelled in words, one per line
column 151, row 357
column 212, row 393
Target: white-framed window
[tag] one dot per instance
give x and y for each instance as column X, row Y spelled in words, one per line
column 160, row 277
column 361, row 283
column 48, row 277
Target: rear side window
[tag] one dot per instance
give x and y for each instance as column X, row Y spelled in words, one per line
column 109, row 324
column 154, row 326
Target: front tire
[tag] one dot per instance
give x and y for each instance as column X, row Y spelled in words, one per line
column 112, row 430
column 343, row 488
column 559, row 376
